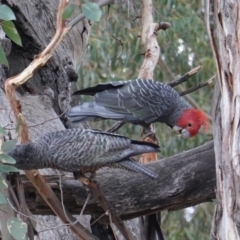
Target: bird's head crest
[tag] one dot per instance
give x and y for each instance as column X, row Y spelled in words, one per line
column 203, row 120
column 190, row 121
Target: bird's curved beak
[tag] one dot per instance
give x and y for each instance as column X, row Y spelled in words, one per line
column 177, row 130
column 183, row 133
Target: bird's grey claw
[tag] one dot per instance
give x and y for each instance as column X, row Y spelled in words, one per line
column 148, row 134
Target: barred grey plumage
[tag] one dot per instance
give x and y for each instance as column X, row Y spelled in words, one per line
column 82, row 150
column 139, row 101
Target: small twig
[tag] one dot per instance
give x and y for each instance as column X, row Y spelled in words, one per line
column 137, row 17
column 81, row 16
column 51, row 119
column 98, row 194
column 32, row 218
column 107, row 15
column 120, row 42
column 4, row 212
column 38, row 124
column 13, row 197
column 106, row 213
column 115, row 126
column 84, row 206
column 63, row 206
column 185, row 77
column 200, row 85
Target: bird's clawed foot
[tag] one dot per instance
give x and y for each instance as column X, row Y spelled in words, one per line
column 79, row 174
column 148, row 133
column 86, row 178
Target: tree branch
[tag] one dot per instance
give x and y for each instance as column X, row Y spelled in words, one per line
column 115, row 126
column 151, row 56
column 185, row 77
column 200, row 85
column 185, row 179
column 106, row 206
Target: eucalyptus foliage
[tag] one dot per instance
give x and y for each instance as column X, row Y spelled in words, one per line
column 16, row 227
column 6, row 17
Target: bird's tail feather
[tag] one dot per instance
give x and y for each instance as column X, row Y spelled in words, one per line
column 136, row 167
column 90, row 111
column 139, row 147
column 99, row 88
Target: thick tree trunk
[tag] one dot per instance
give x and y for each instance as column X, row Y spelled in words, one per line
column 226, row 19
column 177, row 181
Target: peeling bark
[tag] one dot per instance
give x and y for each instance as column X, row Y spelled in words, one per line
column 151, row 57
column 226, row 18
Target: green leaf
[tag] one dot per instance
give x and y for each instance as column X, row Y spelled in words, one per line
column 3, row 184
column 6, row 13
column 17, row 228
column 4, row 158
column 68, row 11
column 9, row 28
column 92, row 11
column 8, row 145
column 7, row 169
column 3, row 58
column 2, row 131
column 2, row 199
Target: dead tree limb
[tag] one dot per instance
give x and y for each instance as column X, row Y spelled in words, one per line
column 200, row 85
column 185, row 77
column 185, row 179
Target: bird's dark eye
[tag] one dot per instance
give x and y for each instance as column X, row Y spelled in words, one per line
column 189, row 124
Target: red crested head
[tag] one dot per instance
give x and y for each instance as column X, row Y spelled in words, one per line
column 190, row 122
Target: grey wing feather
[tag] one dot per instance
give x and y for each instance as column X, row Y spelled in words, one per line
column 68, row 150
column 89, row 110
column 75, row 148
column 139, row 99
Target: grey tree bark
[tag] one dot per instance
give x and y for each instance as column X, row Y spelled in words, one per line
column 35, row 22
column 36, row 25
column 223, row 24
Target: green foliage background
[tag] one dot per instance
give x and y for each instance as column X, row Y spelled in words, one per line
column 184, row 46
